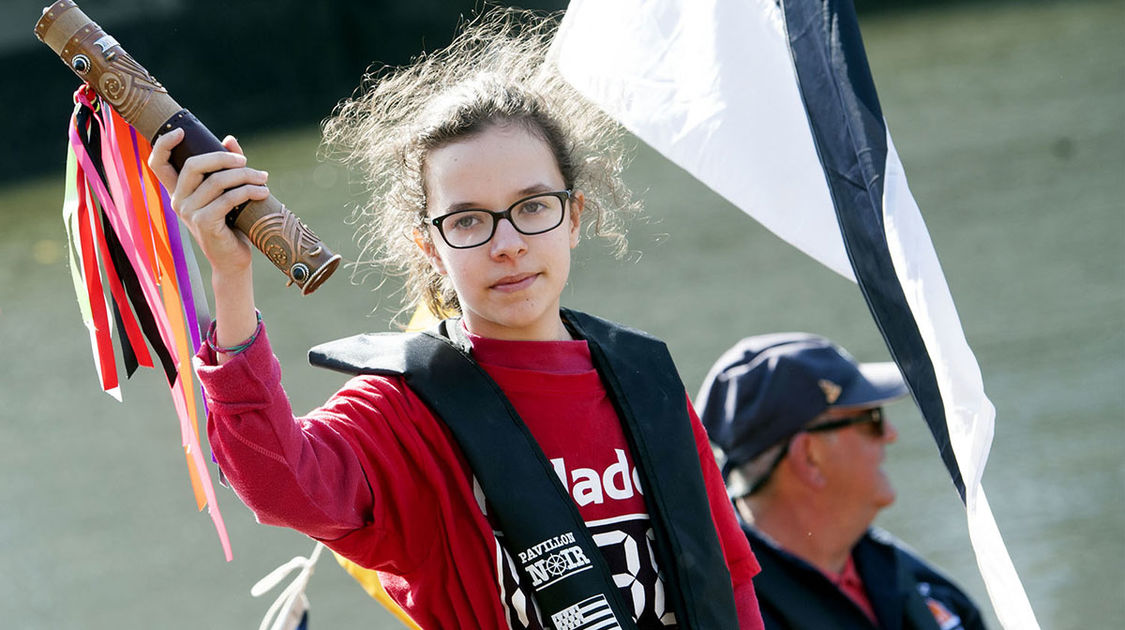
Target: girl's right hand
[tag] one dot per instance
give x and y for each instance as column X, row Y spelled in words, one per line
column 207, row 188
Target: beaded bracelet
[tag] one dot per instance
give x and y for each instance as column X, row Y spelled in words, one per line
column 233, row 350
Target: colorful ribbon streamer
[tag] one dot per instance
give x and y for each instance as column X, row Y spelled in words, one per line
column 123, row 236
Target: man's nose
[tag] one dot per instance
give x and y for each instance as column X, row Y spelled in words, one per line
column 890, row 432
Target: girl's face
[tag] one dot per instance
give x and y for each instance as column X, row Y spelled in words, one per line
column 509, row 287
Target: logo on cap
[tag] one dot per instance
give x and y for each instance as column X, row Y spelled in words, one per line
column 830, row 389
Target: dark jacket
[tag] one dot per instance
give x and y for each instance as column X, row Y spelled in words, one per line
column 905, row 592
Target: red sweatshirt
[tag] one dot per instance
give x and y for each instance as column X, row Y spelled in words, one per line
column 379, row 479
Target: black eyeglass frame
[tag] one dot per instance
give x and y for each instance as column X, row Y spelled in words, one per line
column 874, row 415
column 563, row 196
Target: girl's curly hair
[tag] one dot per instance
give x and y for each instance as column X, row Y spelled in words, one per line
column 496, row 71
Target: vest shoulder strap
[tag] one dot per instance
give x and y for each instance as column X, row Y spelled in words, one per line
column 641, row 377
column 370, row 353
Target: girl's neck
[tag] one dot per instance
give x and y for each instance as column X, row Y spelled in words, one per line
column 552, row 330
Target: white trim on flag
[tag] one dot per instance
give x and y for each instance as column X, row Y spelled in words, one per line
column 969, row 414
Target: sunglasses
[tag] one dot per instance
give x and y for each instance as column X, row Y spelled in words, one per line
column 874, row 416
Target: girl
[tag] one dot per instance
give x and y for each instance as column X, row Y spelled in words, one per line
column 522, row 465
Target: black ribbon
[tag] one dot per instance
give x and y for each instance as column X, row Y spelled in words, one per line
column 89, row 134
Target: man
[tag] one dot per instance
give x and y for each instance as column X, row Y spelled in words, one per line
column 801, row 428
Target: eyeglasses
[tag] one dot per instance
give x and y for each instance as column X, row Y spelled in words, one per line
column 536, row 214
column 874, row 416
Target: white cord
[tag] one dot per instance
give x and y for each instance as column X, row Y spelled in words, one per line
column 287, row 610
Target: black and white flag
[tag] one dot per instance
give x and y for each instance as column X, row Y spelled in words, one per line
column 772, row 105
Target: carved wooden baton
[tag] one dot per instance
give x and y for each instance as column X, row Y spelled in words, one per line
column 142, row 101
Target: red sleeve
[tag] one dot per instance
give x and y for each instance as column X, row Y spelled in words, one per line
column 741, row 562
column 347, row 465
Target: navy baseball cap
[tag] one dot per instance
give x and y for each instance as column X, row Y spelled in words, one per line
column 766, row 388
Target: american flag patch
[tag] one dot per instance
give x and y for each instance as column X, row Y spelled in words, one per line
column 590, row 614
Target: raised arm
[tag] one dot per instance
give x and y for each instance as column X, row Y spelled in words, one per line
column 207, row 188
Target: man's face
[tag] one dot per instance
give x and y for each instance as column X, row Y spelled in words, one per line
column 853, row 459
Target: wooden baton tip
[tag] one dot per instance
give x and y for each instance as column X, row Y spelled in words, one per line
column 142, row 101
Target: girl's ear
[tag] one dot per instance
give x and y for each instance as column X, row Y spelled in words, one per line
column 577, row 204
column 428, row 249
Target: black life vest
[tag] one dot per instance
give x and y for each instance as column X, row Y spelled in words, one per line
column 537, row 515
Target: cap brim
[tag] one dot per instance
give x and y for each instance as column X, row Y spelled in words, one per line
column 879, row 383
